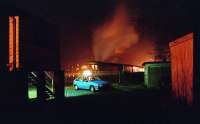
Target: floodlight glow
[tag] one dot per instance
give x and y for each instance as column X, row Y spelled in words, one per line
column 87, row 73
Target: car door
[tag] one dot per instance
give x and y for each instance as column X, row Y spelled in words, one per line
column 79, row 82
column 84, row 83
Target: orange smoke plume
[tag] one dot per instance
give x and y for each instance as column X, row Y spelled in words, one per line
column 115, row 36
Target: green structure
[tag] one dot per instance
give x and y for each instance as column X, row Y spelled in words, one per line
column 32, row 92
column 157, row 74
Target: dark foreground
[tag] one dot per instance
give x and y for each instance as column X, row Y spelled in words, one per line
column 125, row 107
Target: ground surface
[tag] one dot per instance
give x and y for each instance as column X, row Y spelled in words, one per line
column 125, row 104
column 71, row 92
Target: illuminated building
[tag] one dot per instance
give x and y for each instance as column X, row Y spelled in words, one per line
column 114, row 67
column 109, row 71
column 185, row 68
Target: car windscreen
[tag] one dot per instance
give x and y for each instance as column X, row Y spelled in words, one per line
column 88, row 78
column 92, row 78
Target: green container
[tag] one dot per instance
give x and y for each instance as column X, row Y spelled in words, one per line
column 157, row 74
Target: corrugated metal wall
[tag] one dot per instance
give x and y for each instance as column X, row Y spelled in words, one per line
column 182, row 67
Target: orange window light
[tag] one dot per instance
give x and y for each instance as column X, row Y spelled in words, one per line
column 17, row 41
column 13, row 42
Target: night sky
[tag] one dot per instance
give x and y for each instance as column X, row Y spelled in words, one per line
column 157, row 22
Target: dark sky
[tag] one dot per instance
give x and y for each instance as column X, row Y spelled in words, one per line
column 156, row 21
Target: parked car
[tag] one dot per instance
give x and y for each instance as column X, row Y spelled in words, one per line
column 90, row 83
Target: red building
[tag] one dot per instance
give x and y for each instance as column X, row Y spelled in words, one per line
column 182, row 68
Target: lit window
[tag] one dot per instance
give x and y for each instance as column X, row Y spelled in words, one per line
column 13, row 42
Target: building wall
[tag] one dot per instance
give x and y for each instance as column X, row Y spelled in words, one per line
column 111, row 72
column 38, row 50
column 3, row 42
column 181, row 51
column 157, row 75
column 41, row 44
column 38, row 42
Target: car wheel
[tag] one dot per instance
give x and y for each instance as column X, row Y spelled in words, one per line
column 76, row 87
column 92, row 89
